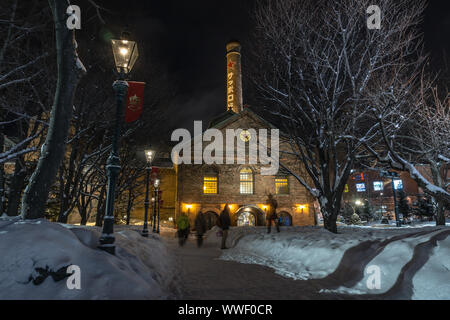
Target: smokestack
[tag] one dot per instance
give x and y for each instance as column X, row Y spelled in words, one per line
column 234, row 77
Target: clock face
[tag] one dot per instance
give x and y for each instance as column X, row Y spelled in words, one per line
column 245, row 136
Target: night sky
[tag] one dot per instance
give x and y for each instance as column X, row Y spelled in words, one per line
column 187, row 39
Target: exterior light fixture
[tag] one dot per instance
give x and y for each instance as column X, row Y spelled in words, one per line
column 125, row 54
column 149, row 155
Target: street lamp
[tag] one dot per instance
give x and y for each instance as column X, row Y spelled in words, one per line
column 149, row 155
column 156, row 206
column 125, row 55
column 392, row 175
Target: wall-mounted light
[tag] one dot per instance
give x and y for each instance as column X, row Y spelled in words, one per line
column 189, row 206
column 301, row 207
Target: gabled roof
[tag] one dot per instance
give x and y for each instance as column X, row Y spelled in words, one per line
column 221, row 118
column 229, row 117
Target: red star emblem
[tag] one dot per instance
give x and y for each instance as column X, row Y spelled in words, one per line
column 231, row 64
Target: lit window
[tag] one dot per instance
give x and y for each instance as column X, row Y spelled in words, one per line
column 281, row 185
column 360, row 187
column 246, row 176
column 378, row 185
column 210, row 185
column 398, row 184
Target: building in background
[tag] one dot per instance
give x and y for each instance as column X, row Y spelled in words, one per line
column 369, row 185
column 208, row 188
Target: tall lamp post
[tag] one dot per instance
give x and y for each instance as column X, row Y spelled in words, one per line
column 392, row 175
column 149, row 154
column 159, row 207
column 125, row 54
column 156, row 205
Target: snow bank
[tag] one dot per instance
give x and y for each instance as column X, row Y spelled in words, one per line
column 31, row 250
column 417, row 256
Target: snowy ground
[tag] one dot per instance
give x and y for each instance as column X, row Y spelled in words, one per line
column 413, row 262
column 35, row 255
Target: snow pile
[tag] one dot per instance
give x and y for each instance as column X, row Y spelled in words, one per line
column 413, row 263
column 36, row 254
column 296, row 252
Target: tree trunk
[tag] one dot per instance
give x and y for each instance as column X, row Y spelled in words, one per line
column 70, row 70
column 16, row 187
column 2, row 175
column 330, row 210
column 62, row 217
column 100, row 207
column 440, row 214
column 129, row 205
column 330, row 223
column 83, row 214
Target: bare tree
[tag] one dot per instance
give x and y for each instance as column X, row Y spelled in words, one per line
column 70, row 70
column 25, row 58
column 414, row 131
column 317, row 64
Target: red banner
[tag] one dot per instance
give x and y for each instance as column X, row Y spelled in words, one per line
column 135, row 101
column 154, row 174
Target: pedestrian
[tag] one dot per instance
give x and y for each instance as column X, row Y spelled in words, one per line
column 224, row 223
column 200, row 228
column 272, row 214
column 183, row 228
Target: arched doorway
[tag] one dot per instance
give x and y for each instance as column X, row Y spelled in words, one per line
column 285, row 219
column 249, row 216
column 211, row 219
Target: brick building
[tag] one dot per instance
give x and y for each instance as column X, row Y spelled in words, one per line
column 208, row 188
column 369, row 185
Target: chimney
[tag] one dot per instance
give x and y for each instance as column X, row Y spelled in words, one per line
column 234, row 77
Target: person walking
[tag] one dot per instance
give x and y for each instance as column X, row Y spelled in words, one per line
column 200, row 228
column 272, row 214
column 183, row 228
column 224, row 223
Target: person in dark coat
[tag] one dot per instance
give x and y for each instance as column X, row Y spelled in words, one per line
column 200, row 228
column 272, row 214
column 224, row 223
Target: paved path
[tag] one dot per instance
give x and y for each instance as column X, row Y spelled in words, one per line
column 207, row 278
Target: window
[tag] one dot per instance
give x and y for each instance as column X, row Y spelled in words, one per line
column 281, row 185
column 360, row 187
column 378, row 185
column 210, row 185
column 246, row 178
column 398, row 184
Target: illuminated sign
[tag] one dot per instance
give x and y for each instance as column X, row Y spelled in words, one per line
column 378, row 185
column 360, row 187
column 230, row 86
column 398, row 184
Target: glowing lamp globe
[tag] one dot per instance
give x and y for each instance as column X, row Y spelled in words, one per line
column 149, row 155
column 125, row 54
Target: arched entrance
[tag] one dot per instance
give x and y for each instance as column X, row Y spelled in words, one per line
column 285, row 219
column 249, row 216
column 211, row 219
